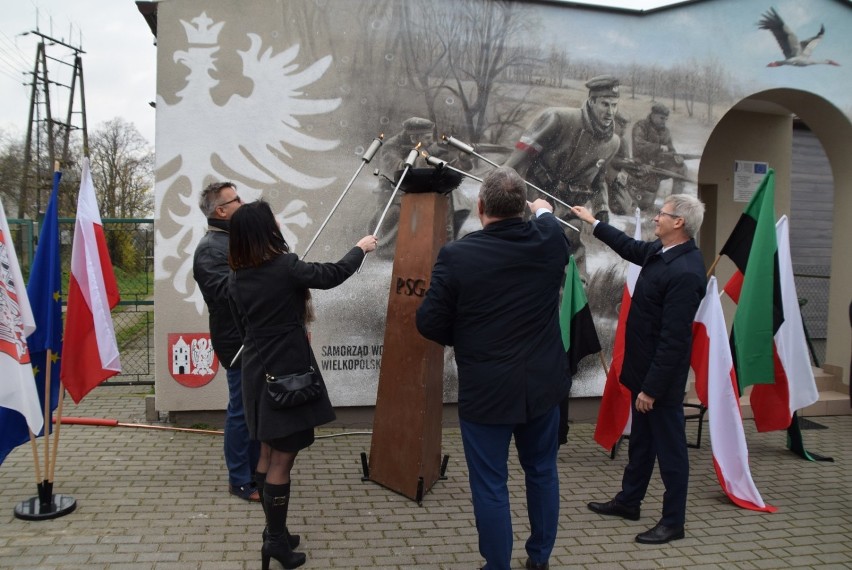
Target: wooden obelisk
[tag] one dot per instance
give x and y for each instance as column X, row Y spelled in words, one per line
column 405, row 452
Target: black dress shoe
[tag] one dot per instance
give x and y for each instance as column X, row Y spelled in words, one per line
column 615, row 509
column 530, row 565
column 660, row 534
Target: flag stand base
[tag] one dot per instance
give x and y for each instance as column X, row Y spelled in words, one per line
column 45, row 505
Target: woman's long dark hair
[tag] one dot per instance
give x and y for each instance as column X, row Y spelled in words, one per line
column 255, row 237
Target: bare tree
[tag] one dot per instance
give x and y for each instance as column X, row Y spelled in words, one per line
column 11, row 169
column 557, row 66
column 480, row 44
column 712, row 82
column 122, row 170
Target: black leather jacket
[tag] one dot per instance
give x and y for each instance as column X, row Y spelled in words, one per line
column 210, row 270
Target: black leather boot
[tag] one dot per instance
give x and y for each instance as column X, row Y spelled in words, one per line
column 276, row 499
column 259, row 481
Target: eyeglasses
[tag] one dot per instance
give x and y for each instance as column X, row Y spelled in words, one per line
column 236, row 199
column 662, row 213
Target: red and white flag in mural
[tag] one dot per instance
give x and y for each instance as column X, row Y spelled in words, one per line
column 614, row 412
column 716, row 386
column 90, row 350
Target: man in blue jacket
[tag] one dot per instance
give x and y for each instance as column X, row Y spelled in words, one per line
column 658, row 343
column 494, row 296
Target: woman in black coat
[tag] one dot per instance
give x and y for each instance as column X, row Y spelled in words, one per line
column 270, row 298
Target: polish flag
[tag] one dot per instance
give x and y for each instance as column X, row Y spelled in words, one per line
column 716, row 386
column 614, row 412
column 89, row 351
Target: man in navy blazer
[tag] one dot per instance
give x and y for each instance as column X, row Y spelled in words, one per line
column 494, row 297
column 658, row 343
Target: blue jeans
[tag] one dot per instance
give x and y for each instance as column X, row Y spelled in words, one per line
column 241, row 454
column 486, row 449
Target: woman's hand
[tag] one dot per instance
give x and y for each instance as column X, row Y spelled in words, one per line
column 368, row 243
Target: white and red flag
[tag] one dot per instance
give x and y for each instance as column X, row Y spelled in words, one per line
column 89, row 351
column 17, row 387
column 716, row 386
column 614, row 412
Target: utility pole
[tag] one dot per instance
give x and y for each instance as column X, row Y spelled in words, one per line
column 54, row 129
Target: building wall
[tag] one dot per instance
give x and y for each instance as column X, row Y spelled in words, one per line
column 281, row 98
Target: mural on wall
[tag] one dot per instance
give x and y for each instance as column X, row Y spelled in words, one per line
column 257, row 150
column 283, row 100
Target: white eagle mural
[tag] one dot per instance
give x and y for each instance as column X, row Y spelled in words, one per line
column 231, row 137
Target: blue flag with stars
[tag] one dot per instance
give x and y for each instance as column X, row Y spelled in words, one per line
column 45, row 295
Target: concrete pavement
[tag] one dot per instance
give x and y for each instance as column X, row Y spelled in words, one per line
column 158, row 500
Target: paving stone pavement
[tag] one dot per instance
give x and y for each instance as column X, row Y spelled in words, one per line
column 158, row 500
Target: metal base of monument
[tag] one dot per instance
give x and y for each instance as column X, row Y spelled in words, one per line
column 33, row 509
column 421, row 491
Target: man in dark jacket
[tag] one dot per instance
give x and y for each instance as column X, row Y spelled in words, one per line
column 210, row 270
column 494, row 296
column 658, row 342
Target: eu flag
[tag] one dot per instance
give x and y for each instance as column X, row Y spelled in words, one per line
column 45, row 295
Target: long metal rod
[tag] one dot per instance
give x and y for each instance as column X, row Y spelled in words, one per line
column 387, row 207
column 367, row 157
column 409, row 163
column 464, row 147
column 333, row 209
column 439, row 164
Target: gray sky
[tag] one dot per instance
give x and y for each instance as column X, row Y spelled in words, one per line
column 118, row 66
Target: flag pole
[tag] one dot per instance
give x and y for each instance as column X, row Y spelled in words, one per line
column 47, row 413
column 35, row 456
column 713, row 267
column 603, row 363
column 56, row 432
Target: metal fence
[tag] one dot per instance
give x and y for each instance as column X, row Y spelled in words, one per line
column 131, row 247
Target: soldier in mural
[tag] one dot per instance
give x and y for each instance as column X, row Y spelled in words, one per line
column 653, row 148
column 565, row 152
column 619, row 170
column 210, row 270
column 392, row 159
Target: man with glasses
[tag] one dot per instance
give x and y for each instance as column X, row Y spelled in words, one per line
column 210, row 270
column 658, row 343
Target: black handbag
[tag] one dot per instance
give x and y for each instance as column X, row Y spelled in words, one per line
column 292, row 390
column 286, row 390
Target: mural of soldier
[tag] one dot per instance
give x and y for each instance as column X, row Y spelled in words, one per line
column 619, row 170
column 392, row 159
column 565, row 152
column 653, row 148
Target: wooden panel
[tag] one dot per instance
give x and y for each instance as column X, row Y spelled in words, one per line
column 406, row 442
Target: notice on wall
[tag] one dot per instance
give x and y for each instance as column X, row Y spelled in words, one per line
column 747, row 177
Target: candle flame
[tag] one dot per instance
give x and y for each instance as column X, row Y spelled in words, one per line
column 418, row 146
column 381, row 136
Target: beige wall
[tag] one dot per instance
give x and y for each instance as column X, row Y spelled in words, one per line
column 766, row 135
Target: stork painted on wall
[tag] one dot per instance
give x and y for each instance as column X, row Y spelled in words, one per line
column 796, row 53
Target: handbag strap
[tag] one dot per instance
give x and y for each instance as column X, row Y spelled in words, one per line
column 268, row 331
